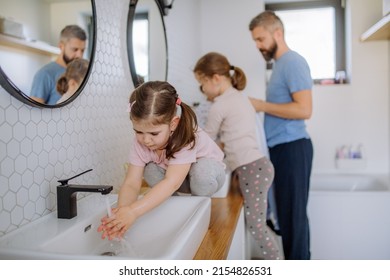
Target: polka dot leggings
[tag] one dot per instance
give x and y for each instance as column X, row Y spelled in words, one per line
column 255, row 179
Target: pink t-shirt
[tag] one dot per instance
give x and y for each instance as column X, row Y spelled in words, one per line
column 205, row 147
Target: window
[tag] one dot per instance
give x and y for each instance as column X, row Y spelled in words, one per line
column 315, row 29
column 141, row 44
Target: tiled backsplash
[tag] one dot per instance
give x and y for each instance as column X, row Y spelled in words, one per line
column 40, row 146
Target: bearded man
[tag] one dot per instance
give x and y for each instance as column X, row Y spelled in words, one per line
column 72, row 45
column 288, row 104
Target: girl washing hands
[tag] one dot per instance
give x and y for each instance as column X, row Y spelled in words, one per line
column 170, row 152
column 233, row 118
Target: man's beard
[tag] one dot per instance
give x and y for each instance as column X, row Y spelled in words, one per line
column 270, row 53
column 66, row 59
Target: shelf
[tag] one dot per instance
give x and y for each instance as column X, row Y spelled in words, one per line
column 34, row 46
column 379, row 31
column 351, row 163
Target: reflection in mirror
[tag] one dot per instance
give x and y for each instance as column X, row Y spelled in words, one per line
column 146, row 42
column 30, row 39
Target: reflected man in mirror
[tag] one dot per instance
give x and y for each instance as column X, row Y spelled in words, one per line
column 72, row 45
column 70, row 81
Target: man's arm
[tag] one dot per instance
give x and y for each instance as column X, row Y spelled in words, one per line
column 299, row 108
column 37, row 99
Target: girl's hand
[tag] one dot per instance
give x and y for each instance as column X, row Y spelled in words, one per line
column 116, row 226
column 105, row 225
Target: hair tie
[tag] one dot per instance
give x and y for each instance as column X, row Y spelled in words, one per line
column 129, row 105
column 232, row 67
column 178, row 107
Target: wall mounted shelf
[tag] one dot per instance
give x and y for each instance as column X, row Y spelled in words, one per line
column 34, row 46
column 379, row 31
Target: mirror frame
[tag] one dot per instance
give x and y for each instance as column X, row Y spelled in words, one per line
column 12, row 89
column 130, row 50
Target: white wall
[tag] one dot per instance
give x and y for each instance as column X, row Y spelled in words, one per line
column 63, row 14
column 183, row 34
column 357, row 112
column 224, row 28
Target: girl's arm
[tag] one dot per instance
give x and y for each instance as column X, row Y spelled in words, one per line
column 174, row 177
column 126, row 215
column 129, row 191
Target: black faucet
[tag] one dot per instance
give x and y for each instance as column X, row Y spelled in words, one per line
column 66, row 196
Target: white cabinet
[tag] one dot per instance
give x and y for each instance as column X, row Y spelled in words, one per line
column 237, row 249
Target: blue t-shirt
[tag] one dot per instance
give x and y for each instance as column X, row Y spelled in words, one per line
column 45, row 83
column 290, row 73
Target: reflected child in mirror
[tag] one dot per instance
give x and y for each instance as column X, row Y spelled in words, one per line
column 70, row 81
column 232, row 119
column 169, row 151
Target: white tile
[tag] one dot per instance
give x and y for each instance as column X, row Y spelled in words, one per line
column 19, row 131
column 27, row 178
column 7, row 167
column 29, row 210
column 9, row 201
column 11, row 115
column 17, row 215
column 26, row 147
column 33, row 192
column 22, row 197
column 6, row 132
column 32, row 161
column 15, row 182
column 20, row 164
column 5, row 220
column 13, row 149
column 39, row 175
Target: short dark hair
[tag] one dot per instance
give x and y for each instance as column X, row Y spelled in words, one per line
column 72, row 31
column 267, row 19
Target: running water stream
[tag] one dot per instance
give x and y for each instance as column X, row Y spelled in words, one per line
column 119, row 246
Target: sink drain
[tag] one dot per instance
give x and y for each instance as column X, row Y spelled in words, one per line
column 110, row 254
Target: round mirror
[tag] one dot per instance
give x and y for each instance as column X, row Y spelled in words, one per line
column 46, row 49
column 146, row 41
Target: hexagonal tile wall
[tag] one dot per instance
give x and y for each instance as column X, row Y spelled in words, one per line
column 40, row 146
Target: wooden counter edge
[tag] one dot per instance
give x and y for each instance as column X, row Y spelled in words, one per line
column 224, row 217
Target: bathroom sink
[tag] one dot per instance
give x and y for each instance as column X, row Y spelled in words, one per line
column 173, row 230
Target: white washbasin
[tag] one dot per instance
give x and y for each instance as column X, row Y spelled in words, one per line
column 173, row 230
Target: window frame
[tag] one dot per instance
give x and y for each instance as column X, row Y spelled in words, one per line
column 339, row 6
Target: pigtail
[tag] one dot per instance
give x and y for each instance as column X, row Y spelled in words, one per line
column 184, row 134
column 62, row 85
column 238, row 78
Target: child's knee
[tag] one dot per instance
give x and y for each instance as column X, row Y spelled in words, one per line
column 153, row 174
column 206, row 183
column 203, row 187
